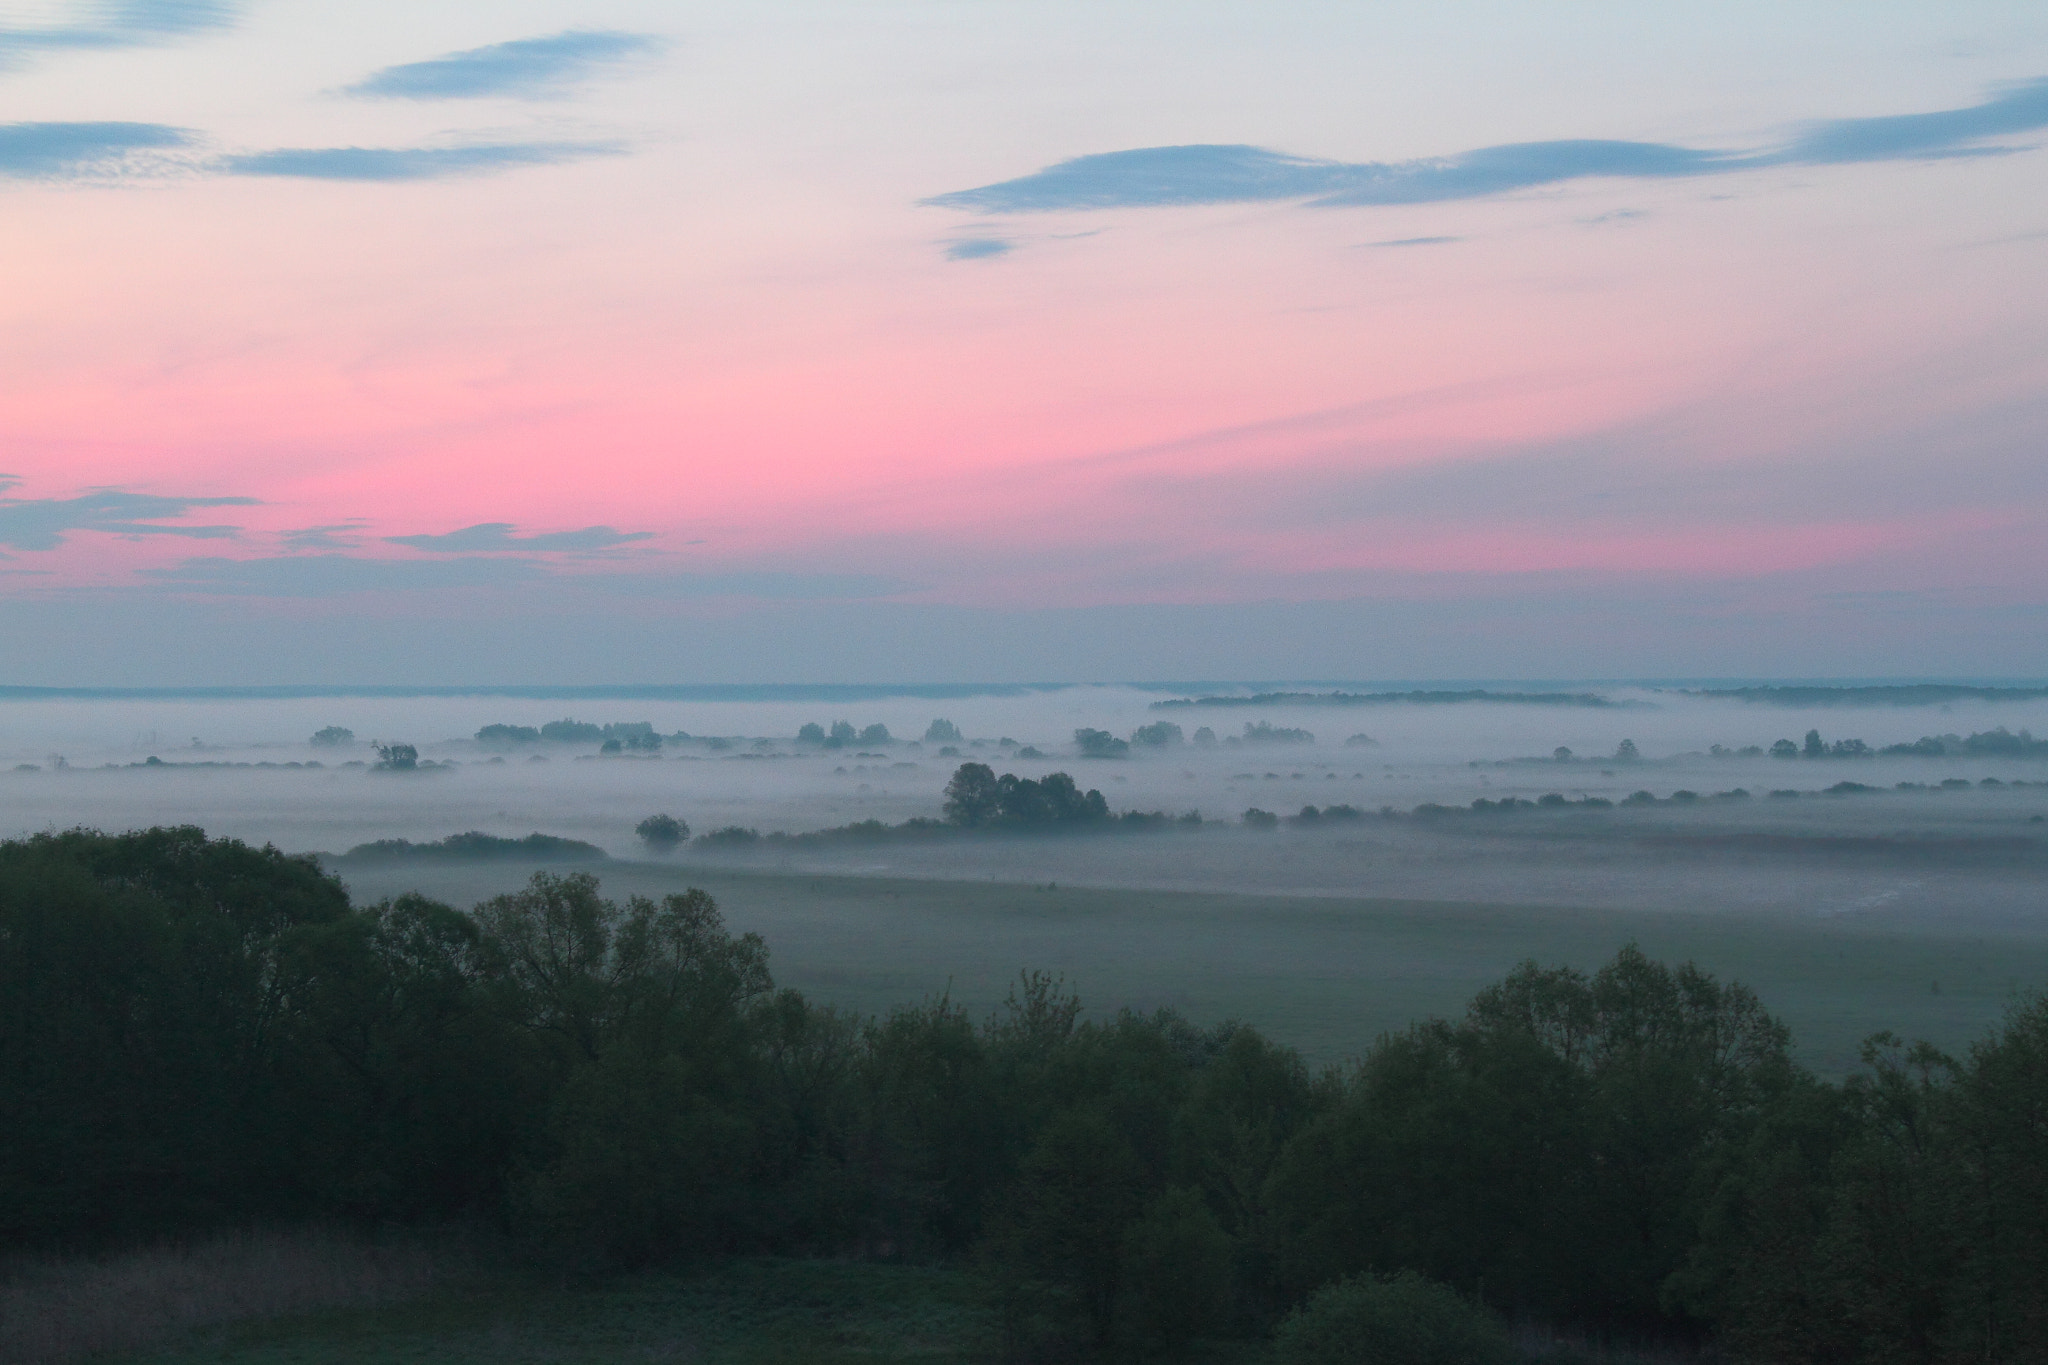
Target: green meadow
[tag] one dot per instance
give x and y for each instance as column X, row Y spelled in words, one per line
column 1324, row 974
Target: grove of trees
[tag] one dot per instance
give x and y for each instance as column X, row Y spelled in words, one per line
column 197, row 1033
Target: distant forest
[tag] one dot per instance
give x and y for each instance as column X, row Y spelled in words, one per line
column 1387, row 698
column 1902, row 694
column 195, row 1034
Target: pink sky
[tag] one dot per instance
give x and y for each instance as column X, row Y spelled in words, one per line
column 739, row 337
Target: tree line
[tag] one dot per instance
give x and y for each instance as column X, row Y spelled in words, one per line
column 196, row 1032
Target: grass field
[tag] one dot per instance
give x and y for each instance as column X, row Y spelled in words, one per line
column 764, row 1312
column 1325, row 974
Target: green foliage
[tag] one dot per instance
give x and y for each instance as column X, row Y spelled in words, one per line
column 1400, row 1319
column 661, row 833
column 503, row 735
column 1100, row 744
column 476, row 846
column 1174, row 1279
column 1160, row 734
column 197, row 1033
column 977, row 798
column 1265, row 732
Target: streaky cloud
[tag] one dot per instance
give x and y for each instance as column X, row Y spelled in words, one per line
column 2018, row 108
column 52, row 151
column 526, row 68
column 497, row 537
column 396, row 164
column 978, row 248
column 1148, row 177
column 345, row 535
column 44, row 523
column 1418, row 241
column 123, row 23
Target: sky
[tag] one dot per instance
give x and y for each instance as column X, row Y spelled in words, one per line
column 783, row 341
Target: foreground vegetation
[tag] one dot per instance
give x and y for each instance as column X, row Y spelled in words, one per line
column 196, row 1034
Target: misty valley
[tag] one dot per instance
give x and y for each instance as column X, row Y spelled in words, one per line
column 1025, row 1023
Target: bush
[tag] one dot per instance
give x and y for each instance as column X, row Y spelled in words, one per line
column 1175, row 1280
column 508, row 734
column 662, row 832
column 1100, row 744
column 1389, row 1320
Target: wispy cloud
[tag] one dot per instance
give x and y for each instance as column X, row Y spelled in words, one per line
column 1217, row 174
column 1418, row 241
column 528, row 68
column 499, row 537
column 340, row 536
column 122, row 23
column 43, row 523
column 977, row 248
column 53, row 151
column 386, row 164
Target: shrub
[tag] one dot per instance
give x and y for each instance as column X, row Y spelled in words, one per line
column 1100, row 744
column 397, row 758
column 1175, row 1280
column 1389, row 1320
column 662, row 832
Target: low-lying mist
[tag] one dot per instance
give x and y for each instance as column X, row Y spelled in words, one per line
column 1840, row 835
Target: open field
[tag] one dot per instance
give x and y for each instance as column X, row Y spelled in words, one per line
column 1323, row 973
column 746, row 1313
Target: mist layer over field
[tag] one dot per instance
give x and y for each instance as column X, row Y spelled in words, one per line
column 1862, row 905
column 243, row 767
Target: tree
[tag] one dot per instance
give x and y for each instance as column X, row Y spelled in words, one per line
column 1815, row 748
column 1160, row 734
column 508, row 734
column 662, row 833
column 811, row 733
column 942, row 732
column 877, row 733
column 972, row 797
column 1784, row 748
column 1390, row 1320
column 1626, row 752
column 1100, row 744
column 334, row 736
column 842, row 735
column 1265, row 732
column 1174, row 1283
column 1205, row 737
column 397, row 758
